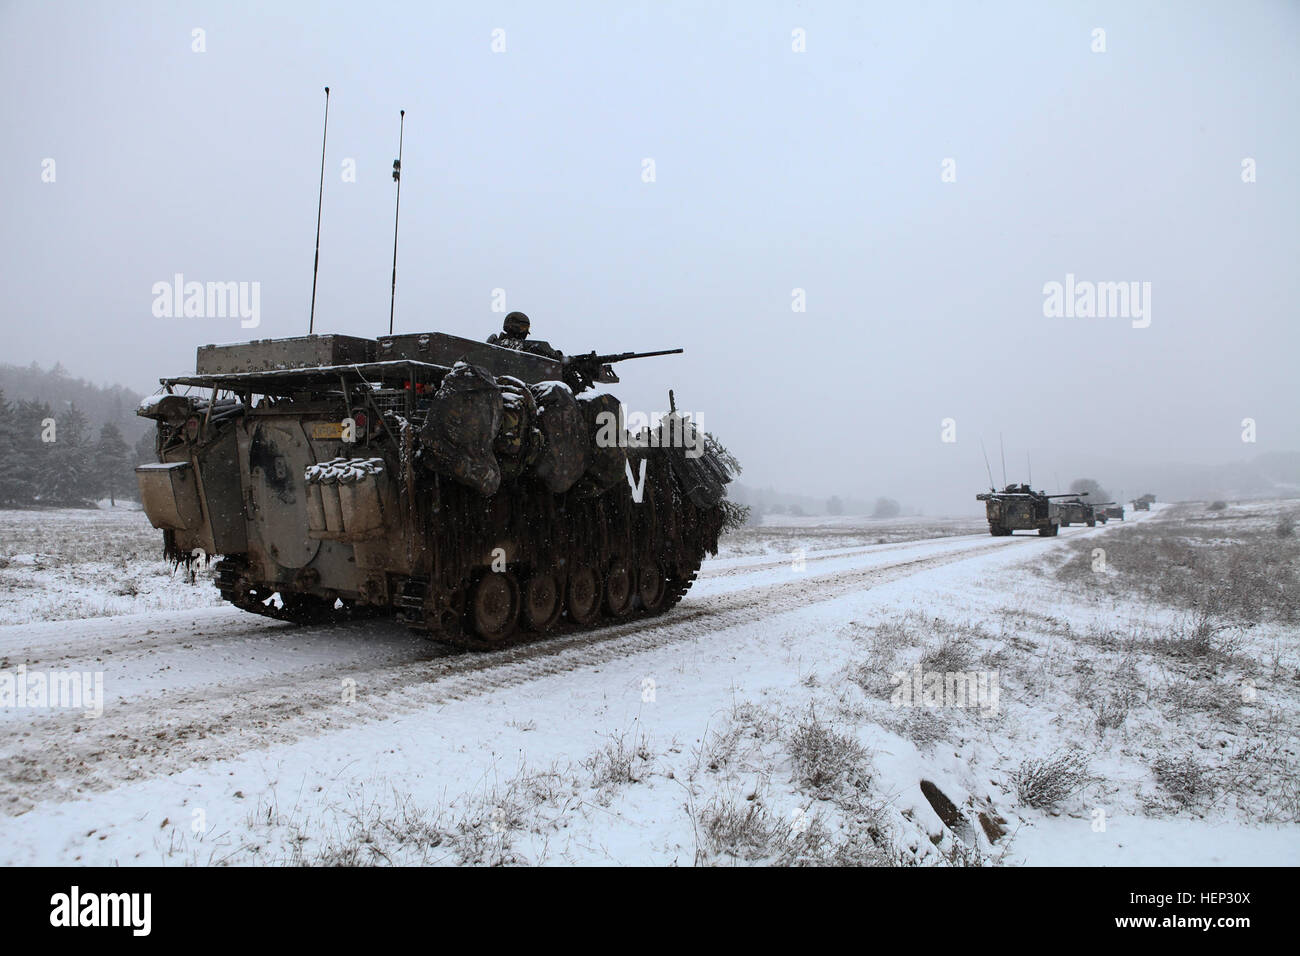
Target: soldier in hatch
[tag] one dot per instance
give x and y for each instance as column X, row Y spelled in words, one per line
column 514, row 335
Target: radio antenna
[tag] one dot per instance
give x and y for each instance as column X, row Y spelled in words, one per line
column 320, row 199
column 1030, row 469
column 397, row 178
column 1003, row 449
column 986, row 465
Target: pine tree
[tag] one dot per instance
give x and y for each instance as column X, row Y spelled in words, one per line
column 12, row 481
column 31, row 456
column 112, row 464
column 146, row 451
column 70, row 461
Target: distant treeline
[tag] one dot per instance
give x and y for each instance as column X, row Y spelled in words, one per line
column 767, row 501
column 101, row 404
column 51, row 456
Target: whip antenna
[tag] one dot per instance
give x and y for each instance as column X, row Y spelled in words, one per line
column 1003, row 449
column 397, row 178
column 320, row 199
column 986, row 465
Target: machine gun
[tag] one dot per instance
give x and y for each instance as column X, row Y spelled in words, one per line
column 582, row 371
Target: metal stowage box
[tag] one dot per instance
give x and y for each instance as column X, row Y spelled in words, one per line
column 269, row 355
column 170, row 495
column 439, row 348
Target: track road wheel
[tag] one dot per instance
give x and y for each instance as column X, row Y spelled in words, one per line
column 651, row 586
column 494, row 606
column 618, row 589
column 1046, row 530
column 542, row 603
column 583, row 602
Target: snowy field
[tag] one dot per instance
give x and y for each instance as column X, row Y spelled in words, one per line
column 69, row 563
column 780, row 535
column 1132, row 699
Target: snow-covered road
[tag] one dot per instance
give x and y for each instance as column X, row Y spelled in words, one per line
column 182, row 688
column 214, row 714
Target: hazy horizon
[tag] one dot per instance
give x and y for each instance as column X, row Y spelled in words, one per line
column 775, row 170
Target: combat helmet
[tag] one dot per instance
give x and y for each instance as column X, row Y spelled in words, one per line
column 515, row 324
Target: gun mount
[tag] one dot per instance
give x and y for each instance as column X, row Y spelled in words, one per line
column 582, row 371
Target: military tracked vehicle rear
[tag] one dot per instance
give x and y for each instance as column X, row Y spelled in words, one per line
column 468, row 488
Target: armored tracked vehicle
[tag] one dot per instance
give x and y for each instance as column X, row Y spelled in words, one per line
column 1020, row 508
column 468, row 488
column 1144, row 503
column 1078, row 511
column 1105, row 510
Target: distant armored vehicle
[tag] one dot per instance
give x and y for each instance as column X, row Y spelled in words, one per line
column 1144, row 503
column 1078, row 511
column 463, row 486
column 1105, row 510
column 1020, row 508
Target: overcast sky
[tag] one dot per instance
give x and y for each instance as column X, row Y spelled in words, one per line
column 774, row 170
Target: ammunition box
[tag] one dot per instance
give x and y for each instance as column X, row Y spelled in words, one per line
column 269, row 355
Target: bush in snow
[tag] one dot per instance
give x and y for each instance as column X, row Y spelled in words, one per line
column 824, row 760
column 1045, row 782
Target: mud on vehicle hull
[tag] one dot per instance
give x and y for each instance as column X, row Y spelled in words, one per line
column 489, row 573
column 329, row 497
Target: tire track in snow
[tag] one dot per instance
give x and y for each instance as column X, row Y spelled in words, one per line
column 61, row 755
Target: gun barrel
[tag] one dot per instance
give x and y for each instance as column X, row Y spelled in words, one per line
column 624, row 356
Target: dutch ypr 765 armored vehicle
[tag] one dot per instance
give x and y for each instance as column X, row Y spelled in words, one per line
column 1105, row 510
column 466, row 487
column 1020, row 508
column 1078, row 511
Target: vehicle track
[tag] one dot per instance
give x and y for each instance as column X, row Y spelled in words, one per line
column 61, row 755
column 731, row 570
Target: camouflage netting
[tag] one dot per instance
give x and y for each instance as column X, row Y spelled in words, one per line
column 519, row 442
column 566, row 453
column 481, row 430
column 608, row 462
column 461, row 425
